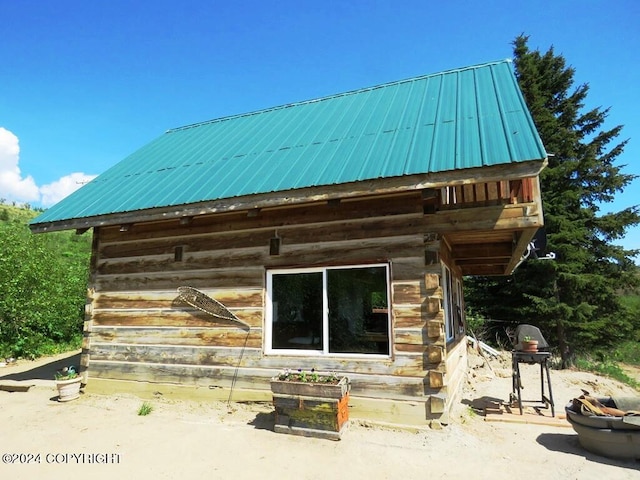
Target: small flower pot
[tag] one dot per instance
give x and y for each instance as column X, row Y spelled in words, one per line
column 68, row 389
column 530, row 346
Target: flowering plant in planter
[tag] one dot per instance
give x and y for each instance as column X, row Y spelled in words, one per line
column 68, row 383
column 310, row 376
column 66, row 373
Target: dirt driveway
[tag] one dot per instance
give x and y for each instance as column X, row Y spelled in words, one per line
column 102, row 437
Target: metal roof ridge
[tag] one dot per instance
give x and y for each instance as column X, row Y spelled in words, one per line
column 337, row 95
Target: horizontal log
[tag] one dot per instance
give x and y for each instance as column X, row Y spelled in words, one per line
column 275, row 218
column 407, row 292
column 354, row 251
column 356, row 229
column 408, row 317
column 196, row 336
column 414, row 336
column 485, row 218
column 406, row 348
column 201, row 243
column 360, row 229
column 219, row 278
column 195, row 376
column 177, row 355
column 357, row 251
column 407, row 364
column 373, row 386
column 228, row 259
column 129, row 339
column 237, row 298
column 173, row 318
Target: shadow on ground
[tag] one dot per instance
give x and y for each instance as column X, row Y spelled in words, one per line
column 479, row 404
column 46, row 371
column 264, row 421
column 568, row 443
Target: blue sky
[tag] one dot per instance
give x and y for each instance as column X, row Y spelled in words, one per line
column 85, row 83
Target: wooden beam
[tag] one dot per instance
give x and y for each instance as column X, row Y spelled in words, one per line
column 484, row 270
column 520, row 248
column 516, row 217
column 483, row 261
column 499, row 250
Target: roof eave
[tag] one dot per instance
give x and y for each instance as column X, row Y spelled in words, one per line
column 300, row 196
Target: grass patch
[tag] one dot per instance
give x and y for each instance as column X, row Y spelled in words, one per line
column 607, row 368
column 145, row 409
column 628, row 352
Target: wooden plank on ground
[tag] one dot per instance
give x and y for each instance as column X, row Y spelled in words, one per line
column 528, row 418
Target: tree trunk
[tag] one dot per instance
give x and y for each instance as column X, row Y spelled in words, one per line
column 561, row 332
column 563, row 345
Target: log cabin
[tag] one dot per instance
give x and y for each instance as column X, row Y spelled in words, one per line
column 339, row 229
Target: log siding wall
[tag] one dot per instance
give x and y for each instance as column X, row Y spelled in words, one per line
column 137, row 330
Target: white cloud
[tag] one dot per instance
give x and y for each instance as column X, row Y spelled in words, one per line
column 13, row 187
column 56, row 191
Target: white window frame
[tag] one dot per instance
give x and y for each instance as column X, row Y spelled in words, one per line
column 268, row 331
column 460, row 305
column 447, row 301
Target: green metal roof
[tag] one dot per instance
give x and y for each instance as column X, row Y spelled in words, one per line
column 463, row 118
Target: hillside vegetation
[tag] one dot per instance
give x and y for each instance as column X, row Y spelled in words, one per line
column 43, row 281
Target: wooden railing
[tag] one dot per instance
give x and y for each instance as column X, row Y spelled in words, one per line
column 487, row 193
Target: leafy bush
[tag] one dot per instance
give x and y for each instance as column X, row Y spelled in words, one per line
column 43, row 281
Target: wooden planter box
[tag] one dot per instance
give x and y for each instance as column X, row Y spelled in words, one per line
column 311, row 409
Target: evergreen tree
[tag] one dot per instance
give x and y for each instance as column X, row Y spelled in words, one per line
column 574, row 299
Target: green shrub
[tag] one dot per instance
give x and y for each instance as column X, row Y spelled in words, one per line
column 43, row 281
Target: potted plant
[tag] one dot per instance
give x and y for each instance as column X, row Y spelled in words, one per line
column 529, row 344
column 310, row 403
column 68, row 383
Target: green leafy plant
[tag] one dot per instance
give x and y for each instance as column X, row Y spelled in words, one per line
column 43, row 286
column 66, row 373
column 308, row 376
column 145, row 409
